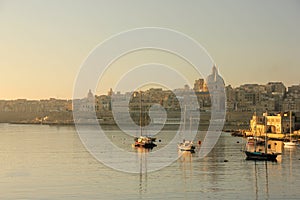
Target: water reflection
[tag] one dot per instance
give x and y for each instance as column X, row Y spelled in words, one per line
column 39, row 161
column 267, row 180
column 142, row 155
column 186, row 167
column 289, row 152
column 214, row 162
column 259, row 168
column 255, row 181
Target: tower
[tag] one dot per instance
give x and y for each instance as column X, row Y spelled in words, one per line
column 216, row 87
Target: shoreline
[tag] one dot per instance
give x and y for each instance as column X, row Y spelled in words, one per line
column 228, row 128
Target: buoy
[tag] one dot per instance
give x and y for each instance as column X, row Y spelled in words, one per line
column 159, row 140
column 199, row 142
column 238, row 142
column 225, row 160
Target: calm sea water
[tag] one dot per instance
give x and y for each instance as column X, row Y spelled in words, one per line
column 50, row 162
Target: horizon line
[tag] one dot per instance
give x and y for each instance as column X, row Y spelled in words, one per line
column 124, row 92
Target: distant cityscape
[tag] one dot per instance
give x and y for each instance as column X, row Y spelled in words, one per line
column 241, row 103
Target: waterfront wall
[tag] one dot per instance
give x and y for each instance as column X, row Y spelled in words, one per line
column 234, row 120
column 62, row 117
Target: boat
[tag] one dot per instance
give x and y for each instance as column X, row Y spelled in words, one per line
column 186, row 145
column 252, row 140
column 290, row 142
column 146, row 142
column 261, row 155
column 257, row 155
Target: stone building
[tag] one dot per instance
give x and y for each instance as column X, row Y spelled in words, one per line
column 277, row 123
column 292, row 100
column 255, row 97
column 200, row 85
column 276, row 88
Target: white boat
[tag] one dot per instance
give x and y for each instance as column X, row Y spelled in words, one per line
column 186, row 145
column 291, row 143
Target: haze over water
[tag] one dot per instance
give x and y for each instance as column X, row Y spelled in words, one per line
column 50, row 162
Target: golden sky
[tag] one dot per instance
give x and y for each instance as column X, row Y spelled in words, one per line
column 44, row 43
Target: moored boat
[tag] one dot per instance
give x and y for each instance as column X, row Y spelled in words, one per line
column 255, row 155
column 260, row 154
column 290, row 142
column 186, row 146
column 145, row 142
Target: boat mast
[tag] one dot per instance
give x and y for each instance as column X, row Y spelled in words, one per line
column 191, row 124
column 184, row 119
column 290, row 126
column 141, row 113
column 266, row 137
column 255, row 138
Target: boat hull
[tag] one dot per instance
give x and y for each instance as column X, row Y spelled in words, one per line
column 260, row 156
column 187, row 149
column 147, row 146
column 144, row 142
column 290, row 144
column 186, row 146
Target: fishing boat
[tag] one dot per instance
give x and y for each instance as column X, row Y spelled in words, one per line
column 257, row 155
column 261, row 155
column 186, row 145
column 143, row 141
column 290, row 142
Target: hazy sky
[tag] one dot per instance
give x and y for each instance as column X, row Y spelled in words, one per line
column 44, row 43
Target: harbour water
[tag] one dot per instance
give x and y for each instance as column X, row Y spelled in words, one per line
column 50, row 162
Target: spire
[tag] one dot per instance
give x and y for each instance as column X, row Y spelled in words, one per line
column 214, row 77
column 215, row 72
